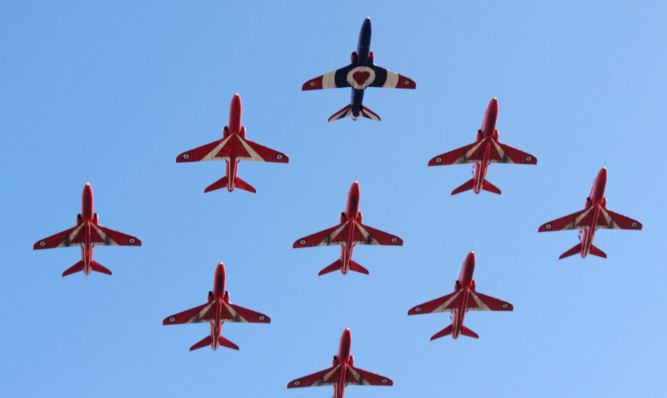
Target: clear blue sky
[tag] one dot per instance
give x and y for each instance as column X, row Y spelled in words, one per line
column 111, row 93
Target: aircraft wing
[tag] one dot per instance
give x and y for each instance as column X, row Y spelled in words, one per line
column 388, row 79
column 366, row 235
column 441, row 304
column 324, row 377
column 466, row 154
column 202, row 313
column 108, row 237
column 613, row 220
column 578, row 220
column 264, row 154
column 68, row 237
column 204, row 152
column 331, row 236
column 335, row 79
column 506, row 154
column 362, row 377
column 235, row 313
column 481, row 302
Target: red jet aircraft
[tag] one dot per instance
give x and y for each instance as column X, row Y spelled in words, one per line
column 232, row 147
column 465, row 298
column 87, row 234
column 594, row 216
column 218, row 310
column 348, row 233
column 486, row 150
column 342, row 373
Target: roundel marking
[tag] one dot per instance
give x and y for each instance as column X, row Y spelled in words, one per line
column 634, row 225
column 547, row 226
column 360, row 77
column 279, row 156
column 528, row 158
column 418, row 309
column 261, row 317
column 505, row 305
column 312, row 84
column 394, row 239
column 438, row 159
column 42, row 243
column 406, row 82
column 384, row 380
column 172, row 319
column 186, row 156
column 131, row 240
column 303, row 242
column 297, row 382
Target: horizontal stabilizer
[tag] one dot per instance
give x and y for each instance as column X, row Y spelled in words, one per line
column 467, row 332
column 221, row 183
column 367, row 113
column 95, row 266
column 354, row 266
column 74, row 269
column 597, row 252
column 466, row 186
column 240, row 184
column 490, row 187
column 226, row 343
column 347, row 111
column 442, row 333
column 206, row 341
column 576, row 249
column 335, row 266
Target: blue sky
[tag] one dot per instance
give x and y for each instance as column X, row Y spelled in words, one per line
column 111, row 93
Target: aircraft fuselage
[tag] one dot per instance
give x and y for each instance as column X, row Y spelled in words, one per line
column 465, row 283
column 487, row 133
column 343, row 358
column 362, row 57
column 596, row 200
column 353, row 215
column 218, row 296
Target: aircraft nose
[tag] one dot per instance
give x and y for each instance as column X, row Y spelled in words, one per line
column 220, row 268
column 355, row 189
column 493, row 105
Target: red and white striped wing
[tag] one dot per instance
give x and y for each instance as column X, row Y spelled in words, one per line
column 203, row 313
column 235, row 313
column 366, row 235
column 467, row 154
column 506, row 154
column 332, row 236
column 204, row 152
column 481, row 302
column 335, row 79
column 362, row 377
column 441, row 304
column 108, row 237
column 261, row 153
column 611, row 220
column 578, row 220
column 68, row 237
column 324, row 377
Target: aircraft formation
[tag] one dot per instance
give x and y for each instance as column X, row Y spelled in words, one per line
column 351, row 231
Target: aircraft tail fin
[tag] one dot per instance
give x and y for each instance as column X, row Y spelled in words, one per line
column 597, row 252
column 443, row 332
column 465, row 187
column 240, row 184
column 467, row 332
column 226, row 343
column 74, row 269
column 576, row 249
column 354, row 266
column 336, row 265
column 346, row 111
column 367, row 113
column 206, row 341
column 221, row 183
column 95, row 266
column 487, row 186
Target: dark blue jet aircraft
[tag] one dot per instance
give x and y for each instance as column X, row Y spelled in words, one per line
column 361, row 73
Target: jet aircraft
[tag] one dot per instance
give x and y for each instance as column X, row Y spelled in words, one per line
column 217, row 310
column 465, row 298
column 342, row 373
column 232, row 147
column 487, row 149
column 361, row 73
column 348, row 233
column 595, row 215
column 87, row 234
